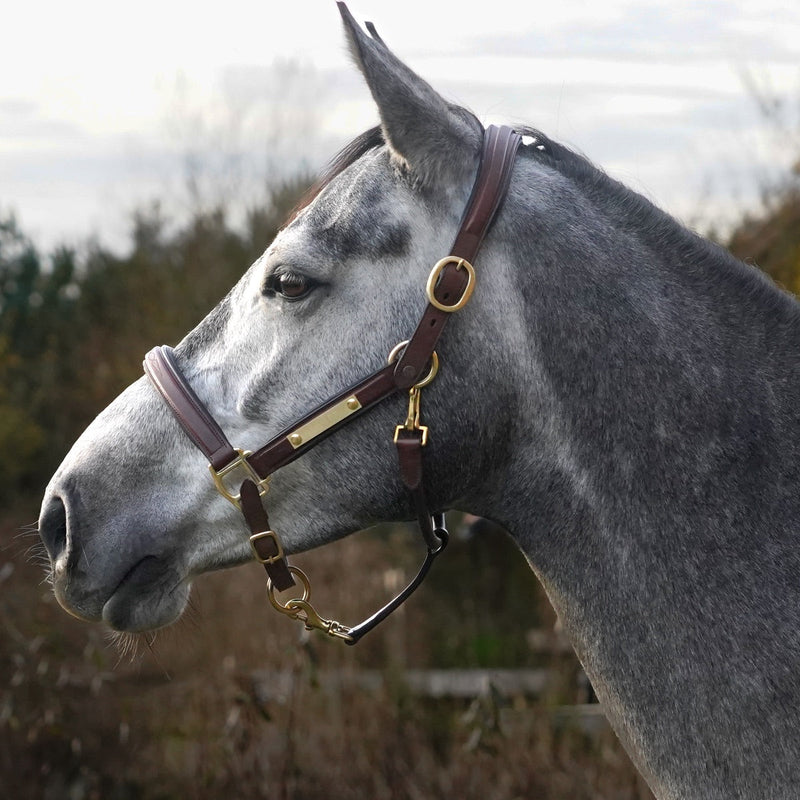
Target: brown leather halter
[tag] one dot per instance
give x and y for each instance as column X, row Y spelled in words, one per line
column 243, row 477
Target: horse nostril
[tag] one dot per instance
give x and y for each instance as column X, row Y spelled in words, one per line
column 53, row 527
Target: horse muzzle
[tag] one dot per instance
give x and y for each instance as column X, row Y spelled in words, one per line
column 127, row 591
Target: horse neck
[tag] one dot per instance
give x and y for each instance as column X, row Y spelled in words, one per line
column 663, row 382
column 653, row 483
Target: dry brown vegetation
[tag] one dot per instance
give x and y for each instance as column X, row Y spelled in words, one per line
column 188, row 717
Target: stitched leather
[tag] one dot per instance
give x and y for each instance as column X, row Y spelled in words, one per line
column 499, row 151
column 409, row 453
column 278, row 452
column 194, row 417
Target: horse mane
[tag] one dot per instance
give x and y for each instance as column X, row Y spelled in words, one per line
column 654, row 226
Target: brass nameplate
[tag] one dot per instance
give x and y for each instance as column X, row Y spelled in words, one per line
column 322, row 422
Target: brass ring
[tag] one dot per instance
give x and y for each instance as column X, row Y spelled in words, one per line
column 398, row 348
column 284, row 609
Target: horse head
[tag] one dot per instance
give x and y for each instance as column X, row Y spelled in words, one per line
column 131, row 516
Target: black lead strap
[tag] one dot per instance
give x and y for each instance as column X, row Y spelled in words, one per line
column 368, row 624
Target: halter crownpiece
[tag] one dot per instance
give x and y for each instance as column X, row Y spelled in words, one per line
column 242, row 477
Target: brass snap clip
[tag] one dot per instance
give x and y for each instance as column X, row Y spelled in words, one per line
column 300, row 609
column 412, row 422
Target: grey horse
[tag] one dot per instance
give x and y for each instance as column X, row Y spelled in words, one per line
column 620, row 394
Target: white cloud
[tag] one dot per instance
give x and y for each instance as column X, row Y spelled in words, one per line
column 90, row 101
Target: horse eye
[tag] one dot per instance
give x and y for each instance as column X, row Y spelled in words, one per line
column 290, row 285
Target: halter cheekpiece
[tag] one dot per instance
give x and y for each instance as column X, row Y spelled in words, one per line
column 242, row 477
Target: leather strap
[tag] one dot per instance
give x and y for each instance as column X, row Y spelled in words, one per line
column 263, row 539
column 278, row 451
column 193, row 416
column 500, row 147
column 491, row 186
column 409, row 453
column 357, row 631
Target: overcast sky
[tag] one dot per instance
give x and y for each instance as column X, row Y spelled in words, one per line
column 106, row 105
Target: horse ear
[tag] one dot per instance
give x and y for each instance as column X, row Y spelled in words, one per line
column 433, row 138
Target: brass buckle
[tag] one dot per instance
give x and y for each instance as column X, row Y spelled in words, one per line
column 267, row 535
column 246, row 472
column 433, row 278
column 423, row 429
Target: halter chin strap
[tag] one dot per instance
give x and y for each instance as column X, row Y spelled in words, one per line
column 243, row 477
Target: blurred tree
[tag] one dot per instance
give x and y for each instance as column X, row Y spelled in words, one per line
column 770, row 237
column 21, row 437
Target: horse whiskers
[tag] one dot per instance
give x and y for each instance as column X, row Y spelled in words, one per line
column 36, row 552
column 30, row 532
column 150, row 639
column 127, row 644
column 192, row 614
column 129, row 647
column 29, row 529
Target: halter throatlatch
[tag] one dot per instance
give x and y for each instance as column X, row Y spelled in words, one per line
column 242, row 477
